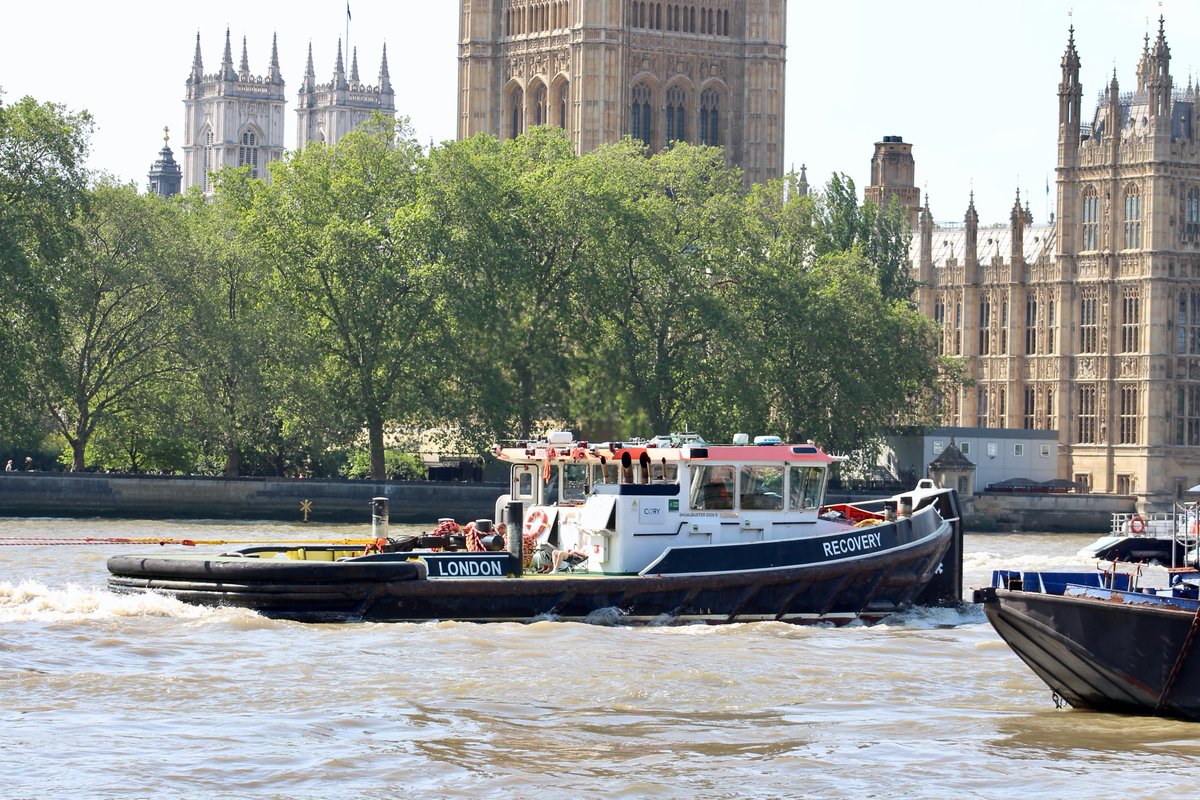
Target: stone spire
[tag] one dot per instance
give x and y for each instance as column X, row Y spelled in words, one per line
column 971, row 245
column 197, row 63
column 385, row 80
column 1070, row 92
column 339, row 72
column 244, row 68
column 227, row 72
column 354, row 67
column 274, row 75
column 802, row 184
column 310, row 73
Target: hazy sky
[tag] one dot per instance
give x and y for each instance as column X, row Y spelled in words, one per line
column 973, row 85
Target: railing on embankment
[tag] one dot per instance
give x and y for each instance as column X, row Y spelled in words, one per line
column 51, row 494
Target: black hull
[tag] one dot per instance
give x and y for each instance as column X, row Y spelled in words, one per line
column 868, row 587
column 1099, row 654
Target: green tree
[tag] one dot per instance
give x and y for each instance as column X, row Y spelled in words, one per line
column 110, row 333
column 654, row 298
column 513, row 221
column 43, row 180
column 346, row 230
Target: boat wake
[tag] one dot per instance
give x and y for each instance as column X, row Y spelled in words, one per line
column 929, row 618
column 34, row 601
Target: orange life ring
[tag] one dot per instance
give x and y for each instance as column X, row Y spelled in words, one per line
column 538, row 517
column 1136, row 525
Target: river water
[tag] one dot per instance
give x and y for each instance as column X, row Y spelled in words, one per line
column 107, row 696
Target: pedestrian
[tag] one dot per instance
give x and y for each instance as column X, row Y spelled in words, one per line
column 29, row 463
column 8, row 467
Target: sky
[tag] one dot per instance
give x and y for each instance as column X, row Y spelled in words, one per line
column 972, row 85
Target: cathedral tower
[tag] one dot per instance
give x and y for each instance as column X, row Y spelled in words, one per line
column 326, row 112
column 231, row 118
column 701, row 71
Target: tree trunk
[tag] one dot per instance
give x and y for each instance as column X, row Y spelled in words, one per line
column 78, row 446
column 232, row 460
column 375, row 443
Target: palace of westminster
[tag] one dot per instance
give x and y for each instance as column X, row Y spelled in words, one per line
column 1088, row 325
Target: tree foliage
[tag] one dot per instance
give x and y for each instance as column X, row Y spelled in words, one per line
column 484, row 287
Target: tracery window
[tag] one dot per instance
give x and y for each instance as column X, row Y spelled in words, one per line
column 1089, row 338
column 1091, row 220
column 981, row 412
column 1130, row 320
column 564, row 100
column 1086, row 431
column 985, row 322
column 1031, row 327
column 1191, row 212
column 248, row 152
column 1188, row 322
column 1051, row 323
column 1030, row 408
column 1187, row 421
column 517, row 112
column 1128, row 416
column 1133, row 218
column 675, row 115
column 939, row 316
column 640, row 116
column 710, row 118
column 540, row 100
column 1004, row 328
column 208, row 161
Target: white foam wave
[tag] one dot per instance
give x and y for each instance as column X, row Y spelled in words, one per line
column 984, row 562
column 33, row 600
column 928, row 618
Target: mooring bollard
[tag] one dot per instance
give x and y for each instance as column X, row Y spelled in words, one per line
column 379, row 517
column 513, row 519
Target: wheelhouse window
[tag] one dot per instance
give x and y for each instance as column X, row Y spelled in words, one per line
column 761, row 488
column 805, row 487
column 575, row 482
column 712, row 488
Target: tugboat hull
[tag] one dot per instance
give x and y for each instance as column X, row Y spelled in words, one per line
column 396, row 588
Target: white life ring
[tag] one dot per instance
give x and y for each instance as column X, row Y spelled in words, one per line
column 537, row 522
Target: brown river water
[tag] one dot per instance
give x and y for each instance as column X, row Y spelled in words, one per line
column 107, row 696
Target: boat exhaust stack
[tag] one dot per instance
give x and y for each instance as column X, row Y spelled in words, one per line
column 514, row 519
column 379, row 517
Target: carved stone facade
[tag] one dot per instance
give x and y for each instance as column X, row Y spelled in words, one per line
column 231, row 118
column 702, row 71
column 1089, row 325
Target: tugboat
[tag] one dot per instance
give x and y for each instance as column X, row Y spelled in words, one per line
column 1101, row 642
column 664, row 530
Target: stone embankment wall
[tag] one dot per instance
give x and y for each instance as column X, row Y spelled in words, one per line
column 1063, row 513
column 27, row 494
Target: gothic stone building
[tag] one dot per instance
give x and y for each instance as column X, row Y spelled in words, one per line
column 1089, row 325
column 233, row 118
column 703, row 71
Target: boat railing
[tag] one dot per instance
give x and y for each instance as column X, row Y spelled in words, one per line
column 1159, row 523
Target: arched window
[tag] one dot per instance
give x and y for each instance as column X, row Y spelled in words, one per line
column 517, row 112
column 1089, row 328
column 208, row 160
column 1090, row 240
column 985, row 325
column 1133, row 218
column 710, row 133
column 1191, row 214
column 725, row 27
column 675, row 115
column 564, row 99
column 540, row 111
column 1131, row 320
column 640, row 116
column 248, row 152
